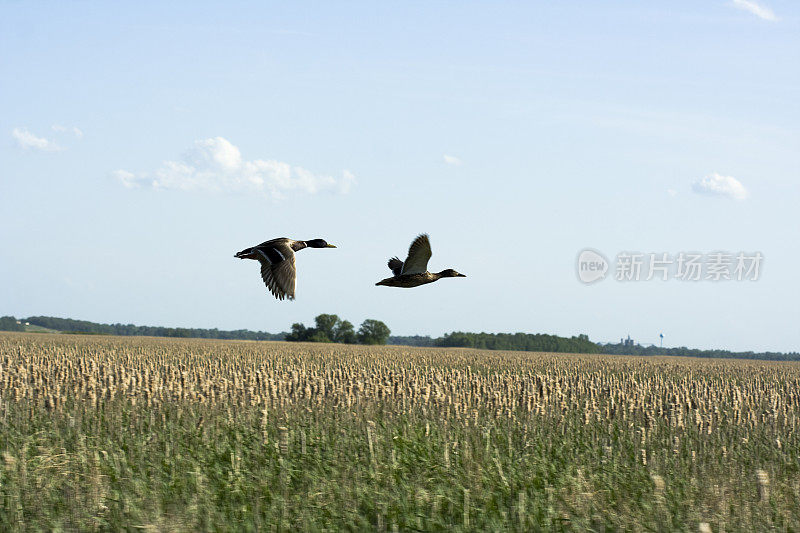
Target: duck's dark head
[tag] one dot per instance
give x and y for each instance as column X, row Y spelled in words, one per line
column 450, row 273
column 319, row 243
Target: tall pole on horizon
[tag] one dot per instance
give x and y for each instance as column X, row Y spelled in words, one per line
column 662, row 339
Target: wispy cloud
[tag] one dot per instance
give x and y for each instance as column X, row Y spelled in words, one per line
column 29, row 141
column 64, row 129
column 722, row 186
column 452, row 160
column 672, row 192
column 762, row 12
column 128, row 179
column 216, row 165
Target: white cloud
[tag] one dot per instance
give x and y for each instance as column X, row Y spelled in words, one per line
column 216, row 165
column 756, row 9
column 347, row 182
column 672, row 192
column 723, row 186
column 452, row 160
column 28, row 140
column 128, row 179
column 62, row 129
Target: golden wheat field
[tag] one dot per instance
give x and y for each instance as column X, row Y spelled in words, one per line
column 109, row 433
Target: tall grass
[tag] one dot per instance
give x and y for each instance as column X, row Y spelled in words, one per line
column 107, row 433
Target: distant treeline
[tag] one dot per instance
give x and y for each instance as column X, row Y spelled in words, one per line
column 538, row 342
column 579, row 344
column 638, row 349
column 504, row 341
column 9, row 323
column 329, row 328
column 412, row 340
column 69, row 325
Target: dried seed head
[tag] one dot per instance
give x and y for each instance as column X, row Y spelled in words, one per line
column 283, row 439
column 659, row 484
column 763, row 485
column 9, row 459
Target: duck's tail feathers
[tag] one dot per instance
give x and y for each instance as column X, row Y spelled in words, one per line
column 396, row 266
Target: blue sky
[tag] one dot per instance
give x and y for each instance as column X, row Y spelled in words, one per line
column 142, row 145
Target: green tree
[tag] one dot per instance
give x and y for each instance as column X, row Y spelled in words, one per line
column 9, row 323
column 299, row 333
column 373, row 332
column 317, row 336
column 345, row 333
column 326, row 324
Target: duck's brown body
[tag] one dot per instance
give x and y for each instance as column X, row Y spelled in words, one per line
column 410, row 280
column 413, row 272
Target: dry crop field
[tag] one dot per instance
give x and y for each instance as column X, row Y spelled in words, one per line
column 124, row 433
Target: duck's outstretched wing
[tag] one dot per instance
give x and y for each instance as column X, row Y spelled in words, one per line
column 280, row 279
column 278, row 271
column 280, row 241
column 419, row 253
column 396, row 266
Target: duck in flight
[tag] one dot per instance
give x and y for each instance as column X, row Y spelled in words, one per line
column 277, row 263
column 413, row 272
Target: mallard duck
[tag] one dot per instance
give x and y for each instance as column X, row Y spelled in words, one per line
column 414, row 271
column 277, row 263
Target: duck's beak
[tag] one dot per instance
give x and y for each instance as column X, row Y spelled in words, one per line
column 331, row 246
column 461, row 276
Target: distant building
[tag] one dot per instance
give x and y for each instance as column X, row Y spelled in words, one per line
column 627, row 342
